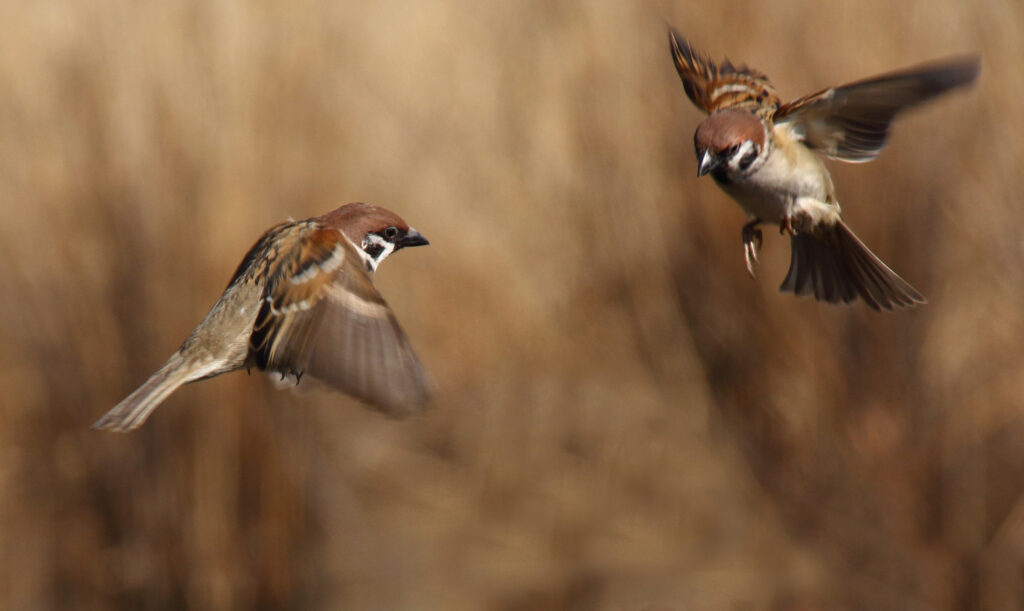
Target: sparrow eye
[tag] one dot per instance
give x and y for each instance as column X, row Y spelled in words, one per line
column 390, row 233
column 732, row 150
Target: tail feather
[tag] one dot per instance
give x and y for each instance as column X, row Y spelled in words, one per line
column 130, row 413
column 835, row 266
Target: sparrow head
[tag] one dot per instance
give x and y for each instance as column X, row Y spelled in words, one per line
column 376, row 231
column 729, row 141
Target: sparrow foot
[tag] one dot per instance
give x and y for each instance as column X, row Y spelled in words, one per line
column 786, row 226
column 798, row 222
column 752, row 239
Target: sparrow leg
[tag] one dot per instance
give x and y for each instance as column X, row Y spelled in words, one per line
column 752, row 239
column 786, row 226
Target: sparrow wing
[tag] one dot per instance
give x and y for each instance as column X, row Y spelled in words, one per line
column 712, row 87
column 852, row 122
column 321, row 315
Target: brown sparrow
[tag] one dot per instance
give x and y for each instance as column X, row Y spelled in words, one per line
column 768, row 157
column 302, row 302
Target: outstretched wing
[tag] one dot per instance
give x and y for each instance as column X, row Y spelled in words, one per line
column 715, row 87
column 321, row 315
column 852, row 122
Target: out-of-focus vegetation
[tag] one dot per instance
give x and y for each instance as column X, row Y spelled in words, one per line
column 624, row 419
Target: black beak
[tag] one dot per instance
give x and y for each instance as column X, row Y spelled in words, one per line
column 413, row 238
column 708, row 162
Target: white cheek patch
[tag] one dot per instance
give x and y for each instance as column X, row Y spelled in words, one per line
column 370, row 242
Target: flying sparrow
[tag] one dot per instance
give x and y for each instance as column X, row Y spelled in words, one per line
column 302, row 302
column 767, row 156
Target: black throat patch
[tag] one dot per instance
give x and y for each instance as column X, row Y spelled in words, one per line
column 720, row 176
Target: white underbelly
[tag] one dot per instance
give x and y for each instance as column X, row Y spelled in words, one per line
column 767, row 205
column 784, row 185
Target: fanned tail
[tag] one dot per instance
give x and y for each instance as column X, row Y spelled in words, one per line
column 835, row 266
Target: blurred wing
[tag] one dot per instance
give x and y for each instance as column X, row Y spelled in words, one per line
column 852, row 122
column 361, row 349
column 322, row 316
column 712, row 87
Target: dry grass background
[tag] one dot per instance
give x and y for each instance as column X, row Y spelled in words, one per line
column 624, row 419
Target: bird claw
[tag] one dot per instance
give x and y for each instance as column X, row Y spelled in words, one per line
column 798, row 222
column 750, row 257
column 752, row 239
column 786, row 226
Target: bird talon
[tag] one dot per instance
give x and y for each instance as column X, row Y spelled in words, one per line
column 752, row 240
column 295, row 264
column 786, row 226
column 761, row 152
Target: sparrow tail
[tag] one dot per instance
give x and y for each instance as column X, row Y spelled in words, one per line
column 835, row 266
column 130, row 413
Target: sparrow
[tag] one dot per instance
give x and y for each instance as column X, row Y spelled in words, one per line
column 303, row 301
column 768, row 156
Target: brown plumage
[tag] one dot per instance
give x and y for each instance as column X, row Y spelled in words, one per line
column 303, row 302
column 767, row 156
column 727, row 128
column 833, row 265
column 713, row 87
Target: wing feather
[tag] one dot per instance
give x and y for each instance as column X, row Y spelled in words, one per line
column 852, row 122
column 321, row 315
column 361, row 348
column 713, row 87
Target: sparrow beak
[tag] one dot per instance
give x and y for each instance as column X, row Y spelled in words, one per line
column 413, row 238
column 708, row 162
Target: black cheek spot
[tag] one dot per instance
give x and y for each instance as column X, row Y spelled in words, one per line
column 748, row 159
column 374, row 250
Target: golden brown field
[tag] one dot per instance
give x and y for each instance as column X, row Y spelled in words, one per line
column 624, row 420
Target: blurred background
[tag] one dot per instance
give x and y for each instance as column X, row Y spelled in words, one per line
column 624, row 419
